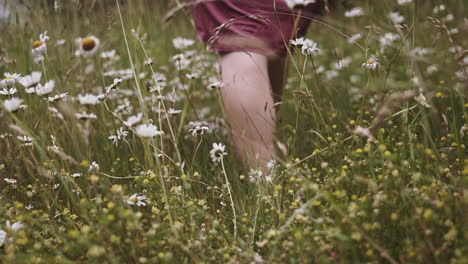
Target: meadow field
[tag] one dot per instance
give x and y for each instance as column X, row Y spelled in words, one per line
column 112, row 133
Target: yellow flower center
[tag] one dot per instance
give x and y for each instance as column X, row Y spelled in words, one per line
column 88, row 44
column 134, row 199
column 37, row 44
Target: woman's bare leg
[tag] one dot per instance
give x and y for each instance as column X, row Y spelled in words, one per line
column 248, row 104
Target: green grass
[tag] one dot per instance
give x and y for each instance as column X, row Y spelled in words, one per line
column 334, row 197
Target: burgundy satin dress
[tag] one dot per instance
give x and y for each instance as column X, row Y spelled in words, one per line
column 262, row 26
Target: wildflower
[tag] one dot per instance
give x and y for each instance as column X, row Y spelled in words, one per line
column 298, row 3
column 271, row 164
column 132, row 120
column 354, row 37
column 172, row 111
column 396, row 17
column 39, row 46
column 84, row 116
column 15, row 226
column 27, row 141
column 355, row 12
column 10, row 181
column 342, row 63
column 439, row 8
column 421, row 99
column 94, row 166
column 88, row 99
column 114, row 85
column 60, row 42
column 57, row 97
column 11, row 227
column 148, row 130
column 331, row 74
column 387, row 39
column 3, row 237
column 182, row 43
column 193, row 75
column 47, row 88
column 10, row 91
column 198, row 128
column 371, row 63
column 136, row 199
column 87, row 46
column 217, row 152
column 404, row 2
column 108, row 54
column 297, row 42
column 121, row 134
column 29, row 82
column 9, row 80
column 148, row 61
column 215, row 85
column 254, row 175
column 76, row 175
column 308, row 46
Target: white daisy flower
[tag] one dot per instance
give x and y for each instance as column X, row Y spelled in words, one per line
column 396, row 17
column 255, row 174
column 3, row 237
column 121, row 134
column 29, row 82
column 9, row 80
column 421, row 99
column 148, row 130
column 12, row 104
column 10, row 181
column 217, row 152
column 404, row 2
column 355, row 12
column 271, row 164
column 87, row 46
column 182, row 43
column 57, row 97
column 298, row 3
column 297, row 42
column 439, row 8
column 198, row 128
column 88, row 99
column 308, row 46
column 94, row 166
column 136, row 199
column 40, row 46
column 47, row 88
column 76, row 175
column 10, row 91
column 387, row 39
column 372, row 63
column 15, row 227
column 215, row 85
column 114, row 85
column 84, row 116
column 172, row 111
column 132, row 120
column 343, row 63
column 192, row 76
column 108, row 54
column 354, row 37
